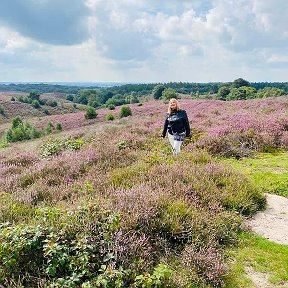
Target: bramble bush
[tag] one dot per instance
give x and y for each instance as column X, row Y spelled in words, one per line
column 54, row 146
column 58, row 256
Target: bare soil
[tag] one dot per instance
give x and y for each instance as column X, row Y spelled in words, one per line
column 273, row 222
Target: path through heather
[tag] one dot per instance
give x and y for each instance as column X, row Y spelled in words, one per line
column 273, row 225
column 273, row 222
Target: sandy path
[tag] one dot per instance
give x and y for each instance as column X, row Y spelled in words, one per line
column 273, row 222
column 273, row 225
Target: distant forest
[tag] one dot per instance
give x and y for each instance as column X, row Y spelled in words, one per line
column 140, row 89
column 110, row 97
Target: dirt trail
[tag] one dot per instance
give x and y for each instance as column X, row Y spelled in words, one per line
column 273, row 225
column 273, row 222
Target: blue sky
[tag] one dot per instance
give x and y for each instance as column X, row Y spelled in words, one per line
column 143, row 40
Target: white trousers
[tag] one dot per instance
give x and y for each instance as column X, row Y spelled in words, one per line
column 175, row 144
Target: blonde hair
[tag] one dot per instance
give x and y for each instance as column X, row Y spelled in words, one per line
column 169, row 104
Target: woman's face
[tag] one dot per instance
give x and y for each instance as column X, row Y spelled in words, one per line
column 173, row 105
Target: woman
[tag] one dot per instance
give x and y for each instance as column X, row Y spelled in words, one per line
column 177, row 124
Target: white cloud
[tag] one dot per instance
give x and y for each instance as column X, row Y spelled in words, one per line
column 11, row 41
column 144, row 40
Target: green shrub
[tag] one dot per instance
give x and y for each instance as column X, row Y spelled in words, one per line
column 270, row 92
column 169, row 93
column 52, row 103
column 55, row 146
column 111, row 106
column 90, row 113
column 3, row 143
column 157, row 279
column 49, row 128
column 1, row 109
column 58, row 126
column 125, row 111
column 109, row 117
column 21, row 131
column 62, row 256
column 46, row 112
column 35, row 104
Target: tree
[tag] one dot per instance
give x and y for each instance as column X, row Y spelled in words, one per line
column 157, row 91
column 34, row 95
column 70, row 97
column 21, row 131
column 240, row 82
column 242, row 93
column 125, row 111
column 169, row 93
column 90, row 113
column 134, row 98
column 223, row 92
column 270, row 92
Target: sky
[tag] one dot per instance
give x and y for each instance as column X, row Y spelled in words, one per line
column 143, row 40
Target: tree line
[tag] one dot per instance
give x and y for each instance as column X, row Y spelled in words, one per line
column 98, row 97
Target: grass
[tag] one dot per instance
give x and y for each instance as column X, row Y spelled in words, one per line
column 269, row 171
column 262, row 256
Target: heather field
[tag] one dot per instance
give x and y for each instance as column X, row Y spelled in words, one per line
column 105, row 204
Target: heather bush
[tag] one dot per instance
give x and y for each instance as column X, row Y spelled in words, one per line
column 173, row 216
column 204, row 267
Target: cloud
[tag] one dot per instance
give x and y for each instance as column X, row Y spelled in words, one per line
column 58, row 22
column 138, row 40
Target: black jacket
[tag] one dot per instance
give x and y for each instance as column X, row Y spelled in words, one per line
column 176, row 122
